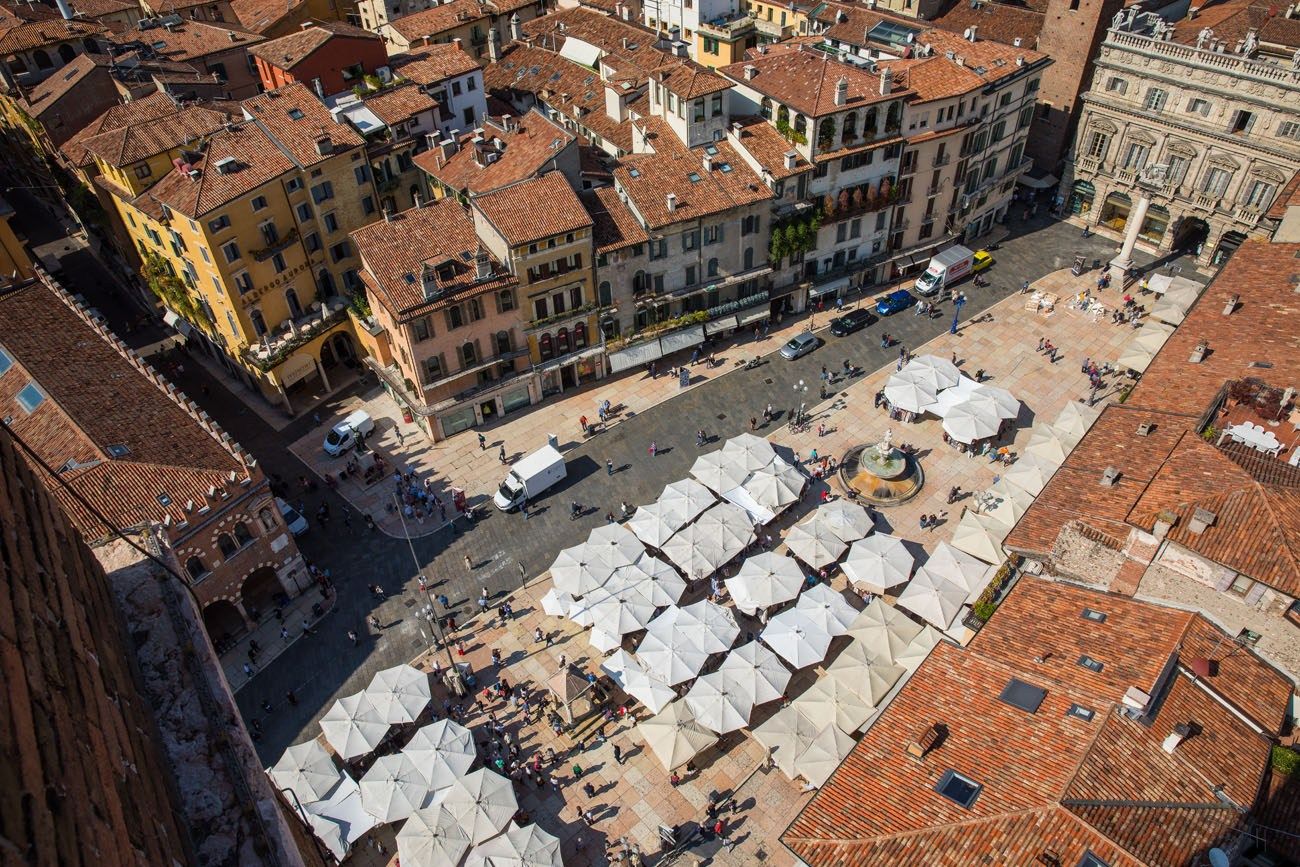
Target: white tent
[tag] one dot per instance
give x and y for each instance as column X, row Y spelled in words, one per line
column 719, row 472
column 431, row 837
column 823, row 755
column 980, row 536
column 399, row 693
column 556, row 602
column 796, row 638
column 717, row 629
column 934, row 599
column 1045, row 445
column 877, row 563
column 786, row 734
column 1075, row 418
column 751, row 452
column 686, row 498
column 764, row 580
column 849, row 521
column 579, row 570
column 648, row 689
column 869, row 676
column 615, row 545
column 907, row 393
column 394, row 788
column 830, row 701
column 441, row 744
column 308, row 769
column 720, row 702
column 655, row 524
column 1031, row 474
column 939, row 373
column 1009, row 502
column 970, row 420
column 674, row 736
column 815, row 543
column 674, row 656
column 950, row 397
column 621, row 612
column 827, row 608
column 527, row 846
column 759, row 671
column 483, row 802
column 652, row 578
column 339, row 820
column 1007, row 404
column 353, row 726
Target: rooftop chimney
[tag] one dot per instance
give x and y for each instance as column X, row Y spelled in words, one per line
column 419, row 203
column 324, row 146
column 516, row 28
column 708, row 163
column 1198, row 354
column 230, row 34
column 671, row 199
column 1165, row 521
column 1181, row 732
column 736, row 127
column 318, row 87
column 928, row 740
column 388, row 215
column 1202, row 520
column 494, row 46
column 971, row 33
column 1109, row 477
column 1231, row 307
column 842, row 90
column 750, row 71
column 791, row 158
column 429, row 281
column 482, row 265
column 886, row 81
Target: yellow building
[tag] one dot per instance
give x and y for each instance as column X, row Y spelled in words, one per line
column 15, row 263
column 723, row 41
column 244, row 235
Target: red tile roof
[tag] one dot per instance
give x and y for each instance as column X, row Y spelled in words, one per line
column 288, row 51
column 133, row 142
column 430, row 23
column 259, row 16
column 48, row 92
column 257, row 161
column 191, row 40
column 46, row 32
column 529, row 147
column 768, row 147
column 403, row 102
column 430, row 64
column 806, row 82
column 614, row 226
column 517, row 213
column 1232, row 19
column 296, row 120
column 1000, row 22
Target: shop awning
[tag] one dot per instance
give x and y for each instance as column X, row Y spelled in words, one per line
column 1043, row 183
column 555, row 364
column 175, row 321
column 642, row 353
column 719, row 325
column 761, row 312
column 683, row 339
column 828, row 287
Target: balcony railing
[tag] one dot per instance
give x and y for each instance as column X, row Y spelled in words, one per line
column 1088, row 164
column 275, row 348
column 484, row 364
column 554, row 319
column 728, row 26
column 290, row 238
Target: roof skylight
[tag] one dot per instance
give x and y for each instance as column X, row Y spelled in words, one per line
column 958, row 788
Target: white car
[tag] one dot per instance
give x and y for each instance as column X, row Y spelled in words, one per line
column 296, row 523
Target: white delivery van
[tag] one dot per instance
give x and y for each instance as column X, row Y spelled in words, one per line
column 946, row 268
column 530, row 477
column 344, row 435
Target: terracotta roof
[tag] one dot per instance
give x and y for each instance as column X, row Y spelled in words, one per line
column 1249, row 683
column 594, row 163
column 648, row 178
column 854, row 21
column 996, row 59
column 132, row 142
column 533, row 209
column 768, row 147
column 191, row 40
column 935, row 77
column 1000, row 22
column 613, row 225
column 168, row 452
column 1288, row 198
column 47, row 31
column 1230, row 21
column 430, row 23
column 395, row 252
column 48, row 92
column 99, row 8
column 259, row 16
column 137, row 112
column 430, row 64
column 296, row 120
column 806, row 80
column 288, row 51
column 403, row 102
column 529, row 147
column 689, row 80
column 257, row 160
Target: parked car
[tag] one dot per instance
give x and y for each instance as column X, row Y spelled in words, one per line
column 851, row 322
column 296, row 523
column 800, row 345
column 894, row 302
column 983, row 259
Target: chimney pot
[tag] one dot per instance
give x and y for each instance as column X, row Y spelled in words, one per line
column 671, row 200
column 751, row 71
column 918, row 748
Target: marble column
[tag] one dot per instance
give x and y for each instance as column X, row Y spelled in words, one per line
column 1120, row 264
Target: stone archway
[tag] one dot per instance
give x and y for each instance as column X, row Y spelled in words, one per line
column 224, row 622
column 1227, row 245
column 261, row 592
column 1190, row 233
column 337, row 349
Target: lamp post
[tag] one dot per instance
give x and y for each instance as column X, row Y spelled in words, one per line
column 453, row 678
column 801, row 390
column 957, row 303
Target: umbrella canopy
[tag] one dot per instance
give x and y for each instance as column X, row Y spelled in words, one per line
column 831, row 701
column 717, row 536
column 482, row 802
column 936, row 600
column 655, row 524
column 869, row 676
column 939, row 373
column 686, row 498
column 786, row 734
column 339, row 820
column 1075, row 418
column 353, row 726
column 877, row 563
column 907, row 393
column 442, row 744
column 972, row 420
column 758, row 671
column 884, row 632
column 308, row 769
column 674, row 735
column 827, row 608
column 751, row 452
column 394, row 788
column 617, row 666
column 604, row 641
column 1168, row 312
column 765, row 580
column 950, row 397
column 717, row 625
column 527, row 846
column 796, row 638
column 615, row 545
column 652, row 578
column 579, row 570
column 400, row 693
column 1152, row 336
column 556, row 602
column 674, row 656
column 1046, row 445
column 958, row 567
column 815, row 543
column 980, row 536
column 719, row 472
column 847, row 520
column 431, row 837
column 1009, row 503
column 648, row 689
column 1135, row 357
column 719, row 702
column 621, row 612
column 775, row 489
column 1007, row 404
column 1030, row 473
column 823, row 755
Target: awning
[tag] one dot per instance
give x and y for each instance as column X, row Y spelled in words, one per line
column 642, row 353
column 1043, row 183
column 562, row 361
column 580, row 52
column 717, row 326
column 177, row 322
column 763, row 312
column 829, row 287
column 683, row 339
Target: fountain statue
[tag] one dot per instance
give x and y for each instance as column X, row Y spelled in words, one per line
column 880, row 473
column 885, row 447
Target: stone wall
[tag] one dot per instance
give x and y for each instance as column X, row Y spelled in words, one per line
column 1083, row 559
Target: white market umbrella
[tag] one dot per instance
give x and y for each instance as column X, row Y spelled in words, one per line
column 950, row 397
column 980, row 536
column 685, row 499
column 820, row 758
column 1029, row 473
column 615, row 545
column 959, row 567
column 442, row 744
column 758, row 670
column 830, row 701
column 483, row 802
column 1168, row 312
column 909, row 394
column 394, row 788
column 883, row 631
column 970, row 421
column 674, row 736
column 308, row 769
column 1152, row 336
column 674, row 657
column 849, row 521
column 621, row 612
column 775, row 489
column 719, row 702
column 655, row 524
column 579, row 570
column 765, row 580
column 1135, row 357
column 1009, row 502
column 731, row 522
column 786, row 734
column 1046, row 445
column 815, row 543
column 697, row 551
column 580, row 609
column 717, row 625
column 934, row 599
column 1075, row 418
column 400, row 693
column 604, row 641
column 653, row 579
column 1007, row 404
column 751, row 452
column 939, row 373
column 866, row 674
column 648, row 689
column 796, row 638
column 618, row 665
column 556, row 602
column 719, row 472
column 353, row 726
column 827, row 608
column 526, row 846
column 431, row 837
column 339, row 821
column 877, row 563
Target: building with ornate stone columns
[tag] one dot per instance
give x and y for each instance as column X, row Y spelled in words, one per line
column 1210, row 107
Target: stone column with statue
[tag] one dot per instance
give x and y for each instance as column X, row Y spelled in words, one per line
column 1151, row 180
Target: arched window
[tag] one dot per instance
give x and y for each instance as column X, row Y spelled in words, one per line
column 826, row 134
column 242, row 536
column 782, row 114
column 42, row 59
column 414, row 191
column 871, row 123
column 562, row 341
column 67, row 53
column 580, row 335
column 506, row 300
column 605, row 293
column 894, row 117
column 713, row 267
column 749, row 258
column 259, row 323
column 295, row 306
column 195, row 567
column 227, row 546
column 850, row 127
column 469, row 354
column 503, row 342
column 638, row 284
column 545, row 348
column 266, row 520
column 801, row 124
column 325, row 282
column 766, row 108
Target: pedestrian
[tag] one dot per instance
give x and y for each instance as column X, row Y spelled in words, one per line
column 654, row 449
column 753, row 423
column 353, row 636
column 469, row 564
column 248, row 670
column 537, row 635
column 291, row 698
column 443, row 601
column 618, row 754
column 482, row 442
column 496, row 656
column 583, row 421
column 925, row 521
column 501, row 455
column 589, row 817
column 589, row 790
column 482, row 604
column 821, row 430
column 577, row 771
column 266, row 705
column 284, row 633
column 609, row 467
column 521, row 580
column 306, row 627
column 374, row 622
column 564, row 662
column 1042, row 341
column 674, row 779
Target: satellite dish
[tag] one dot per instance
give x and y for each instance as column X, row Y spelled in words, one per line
column 1218, row 858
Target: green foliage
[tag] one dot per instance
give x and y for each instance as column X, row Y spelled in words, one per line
column 170, row 289
column 794, row 235
column 360, row 304
column 1286, row 760
column 984, row 610
column 1210, row 434
column 410, row 384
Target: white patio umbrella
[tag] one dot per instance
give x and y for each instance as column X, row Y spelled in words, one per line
column 775, row 489
column 674, row 736
column 604, row 641
column 758, row 670
column 1007, row 404
column 883, row 631
column 308, row 769
column 1152, row 336
column 400, row 693
column 615, row 545
column 579, row 570
column 556, row 602
column 483, row 802
column 339, row 821
column 820, row 758
column 815, row 543
column 1075, row 418
column 751, row 452
column 959, row 567
column 1046, row 445
column 909, row 394
column 849, row 521
column 655, row 524
column 431, row 837
column 617, row 665
column 648, row 689
column 444, row 744
column 866, row 674
column 729, row 521
column 970, row 420
column 796, row 638
column 936, row 600
column 827, row 608
column 673, row 656
column 877, row 563
column 394, row 788
column 1135, row 357
column 718, row 628
column 719, row 472
column 980, row 536
column 719, row 702
column 1168, row 311
column 621, row 612
column 1030, row 473
column 764, row 580
column 831, row 701
column 939, row 372
column 786, row 734
column 950, row 397
column 353, row 726
column 652, row 578
column 696, row 551
column 526, row 846
column 915, row 652
column 1009, row 502
column 580, row 609
column 686, row 499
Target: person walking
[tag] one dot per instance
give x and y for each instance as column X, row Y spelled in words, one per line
column 501, row 455
column 482, row 442
column 618, row 754
column 577, row 771
column 469, row 564
column 306, row 627
column 291, row 698
column 374, row 622
column 589, row 790
column 654, row 449
column 538, row 635
column 352, row 635
column 609, row 467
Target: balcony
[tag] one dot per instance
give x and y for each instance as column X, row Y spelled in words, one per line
column 1248, row 214
column 293, row 333
column 290, row 238
column 1205, row 201
column 557, row 318
column 727, row 27
column 484, row 364
column 907, row 169
column 941, row 160
column 1088, row 165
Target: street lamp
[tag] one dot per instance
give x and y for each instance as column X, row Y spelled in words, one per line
column 801, row 390
column 453, row 678
column 957, row 303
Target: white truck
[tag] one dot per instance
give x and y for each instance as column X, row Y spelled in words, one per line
column 344, row 435
column 530, row 477
column 946, row 268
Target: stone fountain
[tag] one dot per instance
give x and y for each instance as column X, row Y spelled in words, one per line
column 880, row 473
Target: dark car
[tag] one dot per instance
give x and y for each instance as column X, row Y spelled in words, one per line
column 851, row 322
column 894, row 302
